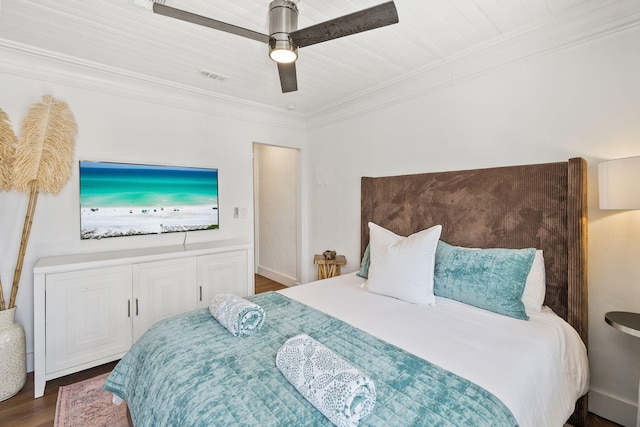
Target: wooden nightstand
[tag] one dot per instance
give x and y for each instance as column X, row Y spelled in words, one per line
column 629, row 323
column 329, row 267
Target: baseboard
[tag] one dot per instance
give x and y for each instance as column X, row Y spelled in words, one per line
column 278, row 277
column 612, row 407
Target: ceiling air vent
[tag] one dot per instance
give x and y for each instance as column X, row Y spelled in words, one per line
column 212, row 75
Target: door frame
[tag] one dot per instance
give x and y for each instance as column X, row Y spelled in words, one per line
column 285, row 280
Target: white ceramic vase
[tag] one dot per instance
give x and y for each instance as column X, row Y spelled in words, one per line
column 13, row 355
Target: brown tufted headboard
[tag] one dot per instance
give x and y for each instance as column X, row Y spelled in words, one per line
column 542, row 206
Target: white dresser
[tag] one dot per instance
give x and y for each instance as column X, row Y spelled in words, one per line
column 90, row 308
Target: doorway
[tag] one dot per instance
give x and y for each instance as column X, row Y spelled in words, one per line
column 276, row 174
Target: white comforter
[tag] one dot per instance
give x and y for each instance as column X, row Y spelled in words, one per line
column 538, row 368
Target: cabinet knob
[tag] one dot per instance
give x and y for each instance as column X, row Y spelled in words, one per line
column 200, row 293
column 129, row 308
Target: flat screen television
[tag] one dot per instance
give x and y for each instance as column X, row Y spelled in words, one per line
column 123, row 199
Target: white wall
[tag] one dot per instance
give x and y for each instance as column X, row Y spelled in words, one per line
column 584, row 101
column 276, row 210
column 116, row 127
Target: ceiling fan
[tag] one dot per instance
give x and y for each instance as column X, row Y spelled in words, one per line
column 284, row 38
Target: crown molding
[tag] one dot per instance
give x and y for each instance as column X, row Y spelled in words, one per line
column 590, row 21
column 593, row 20
column 40, row 64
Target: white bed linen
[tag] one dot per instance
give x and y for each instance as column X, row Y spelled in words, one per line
column 538, row 368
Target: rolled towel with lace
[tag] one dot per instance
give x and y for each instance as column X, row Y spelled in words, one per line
column 336, row 388
column 238, row 315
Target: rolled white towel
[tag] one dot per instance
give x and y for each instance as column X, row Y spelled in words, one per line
column 236, row 314
column 337, row 389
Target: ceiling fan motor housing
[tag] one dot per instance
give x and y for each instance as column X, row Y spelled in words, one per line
column 283, row 20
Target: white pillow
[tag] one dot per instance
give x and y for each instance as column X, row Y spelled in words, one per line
column 535, row 286
column 402, row 267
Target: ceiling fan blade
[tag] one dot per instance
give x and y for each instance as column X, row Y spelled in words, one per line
column 208, row 22
column 288, row 80
column 367, row 19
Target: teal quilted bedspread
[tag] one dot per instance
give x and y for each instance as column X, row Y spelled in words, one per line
column 190, row 371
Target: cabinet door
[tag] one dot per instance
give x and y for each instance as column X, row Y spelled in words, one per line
column 87, row 316
column 162, row 289
column 223, row 273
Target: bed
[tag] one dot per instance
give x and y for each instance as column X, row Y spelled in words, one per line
column 449, row 363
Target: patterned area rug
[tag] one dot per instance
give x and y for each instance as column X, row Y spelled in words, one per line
column 86, row 404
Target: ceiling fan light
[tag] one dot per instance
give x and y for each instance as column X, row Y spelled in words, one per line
column 283, row 51
column 283, row 56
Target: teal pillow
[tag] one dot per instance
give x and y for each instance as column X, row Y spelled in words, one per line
column 364, row 265
column 492, row 279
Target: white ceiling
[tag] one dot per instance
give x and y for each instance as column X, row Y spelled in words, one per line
column 123, row 35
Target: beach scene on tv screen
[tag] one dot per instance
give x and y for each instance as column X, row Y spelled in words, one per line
column 118, row 199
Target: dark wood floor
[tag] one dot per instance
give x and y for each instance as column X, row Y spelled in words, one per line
column 265, row 285
column 22, row 410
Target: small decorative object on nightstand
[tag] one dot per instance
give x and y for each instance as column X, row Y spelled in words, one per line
column 628, row 323
column 329, row 266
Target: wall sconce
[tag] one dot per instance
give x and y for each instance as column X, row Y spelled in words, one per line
column 619, row 183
